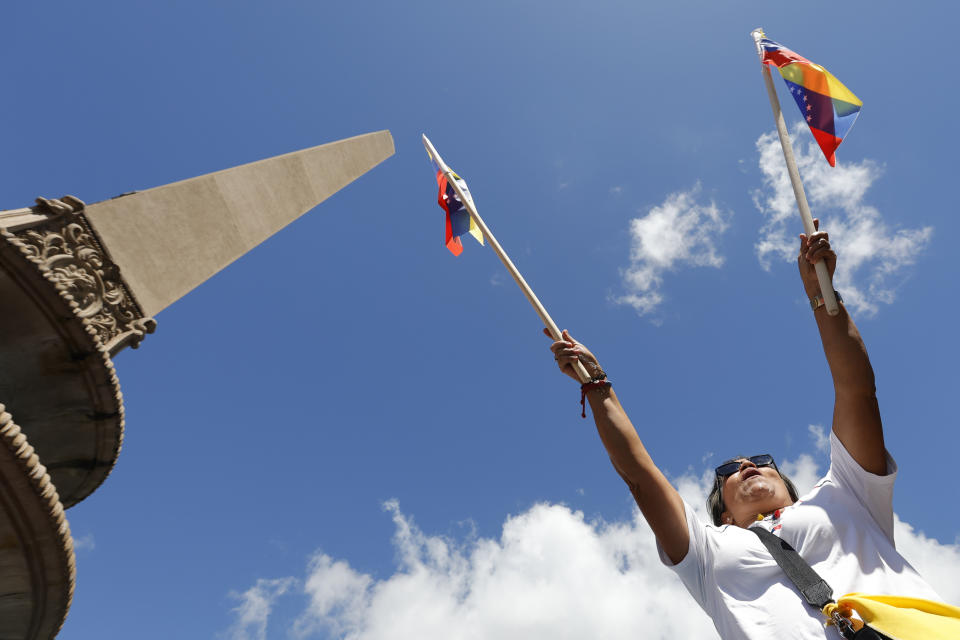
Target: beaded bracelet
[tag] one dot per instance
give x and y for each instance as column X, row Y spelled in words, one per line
column 595, row 383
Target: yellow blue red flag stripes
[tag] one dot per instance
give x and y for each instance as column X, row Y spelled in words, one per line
column 828, row 107
column 458, row 217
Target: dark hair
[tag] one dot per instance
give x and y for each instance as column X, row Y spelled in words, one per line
column 715, row 500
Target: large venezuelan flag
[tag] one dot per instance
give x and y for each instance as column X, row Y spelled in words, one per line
column 459, row 220
column 828, row 107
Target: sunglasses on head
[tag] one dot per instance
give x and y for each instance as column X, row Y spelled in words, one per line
column 729, row 468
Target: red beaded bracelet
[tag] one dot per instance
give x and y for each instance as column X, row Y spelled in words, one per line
column 588, row 386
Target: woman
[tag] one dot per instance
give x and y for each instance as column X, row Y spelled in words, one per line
column 843, row 528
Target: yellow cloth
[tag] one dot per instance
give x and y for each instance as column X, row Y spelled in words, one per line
column 902, row 618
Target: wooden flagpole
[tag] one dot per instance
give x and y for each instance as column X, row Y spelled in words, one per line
column 504, row 258
column 823, row 276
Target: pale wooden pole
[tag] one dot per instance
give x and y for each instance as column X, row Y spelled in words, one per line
column 504, row 258
column 823, row 276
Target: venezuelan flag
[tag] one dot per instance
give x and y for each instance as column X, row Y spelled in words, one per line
column 829, row 108
column 459, row 220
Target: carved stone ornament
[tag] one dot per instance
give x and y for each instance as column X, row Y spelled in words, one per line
column 68, row 252
column 37, row 556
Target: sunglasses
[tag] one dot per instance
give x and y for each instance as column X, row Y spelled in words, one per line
column 729, row 468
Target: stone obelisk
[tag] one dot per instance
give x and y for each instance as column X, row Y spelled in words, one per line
column 78, row 283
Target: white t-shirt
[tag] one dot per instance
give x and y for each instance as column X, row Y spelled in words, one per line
column 843, row 528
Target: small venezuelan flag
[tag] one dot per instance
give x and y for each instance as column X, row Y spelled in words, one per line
column 459, row 220
column 828, row 107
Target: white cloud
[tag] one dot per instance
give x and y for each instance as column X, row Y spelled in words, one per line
column 84, row 543
column 256, row 604
column 872, row 254
column 821, row 439
column 803, row 472
column 679, row 232
column 551, row 574
column 938, row 563
column 338, row 597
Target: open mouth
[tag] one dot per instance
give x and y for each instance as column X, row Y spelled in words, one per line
column 748, row 473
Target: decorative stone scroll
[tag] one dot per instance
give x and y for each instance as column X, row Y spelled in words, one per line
column 68, row 252
column 39, row 566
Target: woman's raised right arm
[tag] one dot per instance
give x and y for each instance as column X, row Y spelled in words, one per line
column 659, row 502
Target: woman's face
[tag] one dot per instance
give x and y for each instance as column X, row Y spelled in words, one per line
column 752, row 490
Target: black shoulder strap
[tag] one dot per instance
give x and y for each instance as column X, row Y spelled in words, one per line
column 814, row 588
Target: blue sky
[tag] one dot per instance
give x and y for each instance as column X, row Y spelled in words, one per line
column 308, row 431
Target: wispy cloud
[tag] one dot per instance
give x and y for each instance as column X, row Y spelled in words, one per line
column 550, row 574
column 821, row 439
column 679, row 232
column 872, row 253
column 804, row 471
column 339, row 598
column 84, row 543
column 256, row 603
